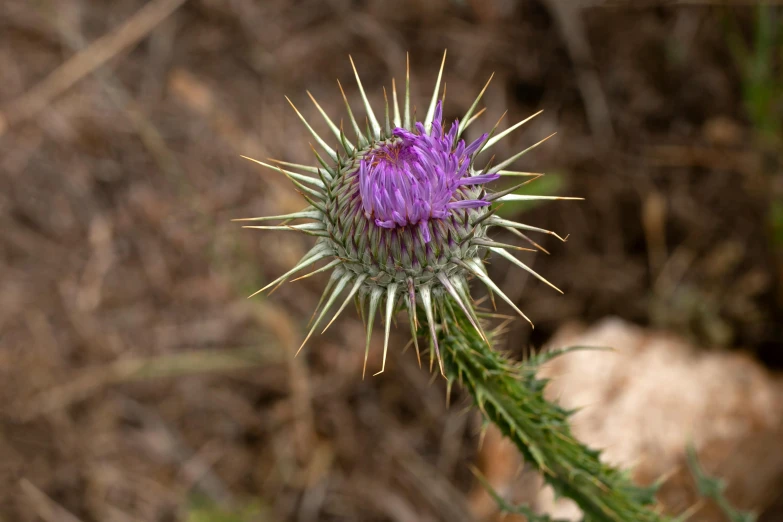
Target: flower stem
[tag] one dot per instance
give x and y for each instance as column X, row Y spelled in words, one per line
column 511, row 396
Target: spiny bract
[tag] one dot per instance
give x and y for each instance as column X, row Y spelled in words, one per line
column 402, row 215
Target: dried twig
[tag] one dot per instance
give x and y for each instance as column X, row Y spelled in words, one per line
column 85, row 62
column 47, row 509
column 568, row 14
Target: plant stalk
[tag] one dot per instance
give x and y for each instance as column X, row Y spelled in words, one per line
column 511, row 396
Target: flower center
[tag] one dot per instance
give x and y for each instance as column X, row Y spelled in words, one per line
column 418, row 177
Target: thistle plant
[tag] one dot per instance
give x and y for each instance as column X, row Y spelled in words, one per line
column 402, row 216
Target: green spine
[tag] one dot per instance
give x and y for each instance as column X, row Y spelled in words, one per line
column 511, row 396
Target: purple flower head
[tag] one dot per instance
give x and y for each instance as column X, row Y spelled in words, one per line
column 418, row 176
column 401, row 217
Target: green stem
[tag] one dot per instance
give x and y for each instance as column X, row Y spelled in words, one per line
column 511, row 397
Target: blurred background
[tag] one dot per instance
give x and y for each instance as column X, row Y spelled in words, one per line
column 139, row 384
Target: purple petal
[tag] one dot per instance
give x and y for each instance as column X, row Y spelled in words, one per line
column 438, row 112
column 425, row 231
column 416, row 176
column 475, row 180
column 468, row 203
column 473, row 147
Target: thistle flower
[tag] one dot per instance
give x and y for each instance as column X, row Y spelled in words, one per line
column 402, row 214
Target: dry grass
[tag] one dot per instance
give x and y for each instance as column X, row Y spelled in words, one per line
column 140, row 385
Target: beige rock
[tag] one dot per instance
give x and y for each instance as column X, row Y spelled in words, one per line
column 654, row 393
column 643, row 402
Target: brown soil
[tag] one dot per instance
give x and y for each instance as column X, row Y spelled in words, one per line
column 137, row 381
